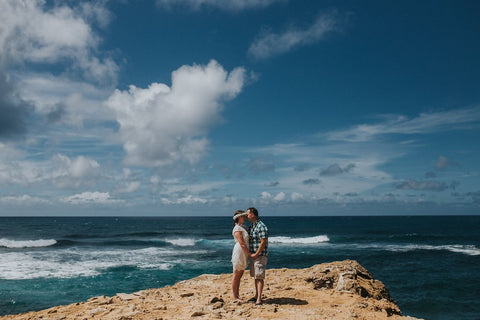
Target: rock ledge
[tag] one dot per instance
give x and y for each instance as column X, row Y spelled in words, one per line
column 336, row 290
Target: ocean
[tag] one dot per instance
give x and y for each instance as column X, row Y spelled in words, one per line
column 431, row 265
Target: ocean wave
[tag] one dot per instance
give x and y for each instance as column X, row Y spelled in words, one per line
column 470, row 250
column 19, row 244
column 306, row 240
column 76, row 262
column 129, row 240
column 182, row 242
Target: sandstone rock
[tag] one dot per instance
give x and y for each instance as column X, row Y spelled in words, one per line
column 126, row 297
column 217, row 305
column 198, row 313
column 160, row 308
column 337, row 290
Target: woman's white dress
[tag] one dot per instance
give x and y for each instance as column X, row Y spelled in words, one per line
column 239, row 258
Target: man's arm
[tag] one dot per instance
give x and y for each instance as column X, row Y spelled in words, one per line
column 263, row 244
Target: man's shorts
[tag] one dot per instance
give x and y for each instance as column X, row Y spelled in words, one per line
column 258, row 266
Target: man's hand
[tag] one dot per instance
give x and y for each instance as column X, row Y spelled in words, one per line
column 263, row 244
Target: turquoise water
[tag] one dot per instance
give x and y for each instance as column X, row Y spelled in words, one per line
column 431, row 265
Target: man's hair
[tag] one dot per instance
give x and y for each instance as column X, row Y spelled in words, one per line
column 254, row 211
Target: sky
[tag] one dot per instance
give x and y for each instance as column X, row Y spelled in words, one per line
column 203, row 107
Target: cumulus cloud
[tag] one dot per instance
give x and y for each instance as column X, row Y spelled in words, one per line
column 73, row 172
column 295, row 196
column 397, row 124
column 265, row 195
column 233, row 5
column 422, row 185
column 60, row 170
column 88, row 197
column 60, row 99
column 335, row 169
column 280, row 196
column 161, row 124
column 32, row 32
column 268, row 44
column 77, row 167
column 131, row 183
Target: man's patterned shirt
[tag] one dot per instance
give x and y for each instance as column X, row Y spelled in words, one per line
column 257, row 231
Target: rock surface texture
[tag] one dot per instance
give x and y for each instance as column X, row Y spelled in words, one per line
column 337, row 290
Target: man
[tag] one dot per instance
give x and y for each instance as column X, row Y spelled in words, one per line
column 258, row 243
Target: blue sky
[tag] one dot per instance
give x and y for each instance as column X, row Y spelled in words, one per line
column 202, row 107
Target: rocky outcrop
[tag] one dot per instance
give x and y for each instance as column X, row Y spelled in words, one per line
column 337, row 290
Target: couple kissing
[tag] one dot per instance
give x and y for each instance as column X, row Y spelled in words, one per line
column 249, row 243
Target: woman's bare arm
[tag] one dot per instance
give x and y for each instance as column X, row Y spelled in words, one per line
column 239, row 238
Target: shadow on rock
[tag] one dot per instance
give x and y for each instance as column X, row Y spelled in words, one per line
column 283, row 301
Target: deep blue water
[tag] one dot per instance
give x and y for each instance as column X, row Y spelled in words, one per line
column 431, row 265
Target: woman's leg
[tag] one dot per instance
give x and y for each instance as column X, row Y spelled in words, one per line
column 237, row 276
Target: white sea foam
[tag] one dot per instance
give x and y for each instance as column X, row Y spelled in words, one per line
column 457, row 248
column 470, row 250
column 182, row 242
column 307, row 240
column 18, row 244
column 72, row 263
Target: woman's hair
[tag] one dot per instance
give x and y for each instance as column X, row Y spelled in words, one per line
column 236, row 220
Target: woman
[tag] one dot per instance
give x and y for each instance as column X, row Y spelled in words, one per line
column 240, row 252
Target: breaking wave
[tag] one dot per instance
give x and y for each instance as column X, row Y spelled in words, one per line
column 18, row 244
column 306, row 240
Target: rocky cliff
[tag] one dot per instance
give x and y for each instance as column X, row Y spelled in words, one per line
column 337, row 290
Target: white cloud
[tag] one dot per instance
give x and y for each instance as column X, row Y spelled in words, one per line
column 23, row 200
column 161, row 125
column 295, row 196
column 269, row 44
column 129, row 187
column 190, row 199
column 96, row 12
column 280, row 196
column 79, row 167
column 423, row 124
column 91, row 198
column 129, row 181
column 265, row 195
column 233, row 5
column 77, row 100
column 60, row 170
column 31, row 32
